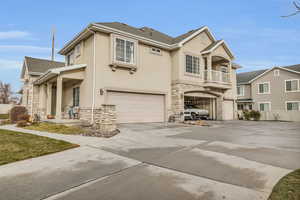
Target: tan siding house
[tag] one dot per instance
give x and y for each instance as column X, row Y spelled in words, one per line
column 274, row 92
column 148, row 75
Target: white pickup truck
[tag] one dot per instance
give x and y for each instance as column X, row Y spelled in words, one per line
column 194, row 113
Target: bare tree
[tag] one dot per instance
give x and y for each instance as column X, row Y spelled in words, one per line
column 297, row 6
column 5, row 93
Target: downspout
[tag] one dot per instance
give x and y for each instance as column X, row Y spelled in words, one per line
column 94, row 75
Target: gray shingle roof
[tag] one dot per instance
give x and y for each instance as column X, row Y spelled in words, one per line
column 245, row 77
column 38, row 66
column 293, row 67
column 147, row 32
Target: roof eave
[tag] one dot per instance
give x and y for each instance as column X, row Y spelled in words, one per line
column 53, row 72
column 217, row 45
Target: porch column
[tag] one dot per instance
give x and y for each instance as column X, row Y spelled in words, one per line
column 209, row 66
column 219, row 108
column 49, row 98
column 59, row 85
column 42, row 100
column 213, row 109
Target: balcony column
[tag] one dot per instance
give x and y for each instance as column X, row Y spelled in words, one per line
column 59, row 85
column 49, row 98
column 209, row 66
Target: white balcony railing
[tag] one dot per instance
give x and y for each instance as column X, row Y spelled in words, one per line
column 216, row 76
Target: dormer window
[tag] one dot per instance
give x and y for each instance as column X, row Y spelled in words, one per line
column 125, row 51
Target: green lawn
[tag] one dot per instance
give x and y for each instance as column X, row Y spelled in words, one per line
column 15, row 146
column 3, row 116
column 288, row 188
column 55, row 128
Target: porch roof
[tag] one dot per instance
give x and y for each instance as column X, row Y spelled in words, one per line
column 56, row 71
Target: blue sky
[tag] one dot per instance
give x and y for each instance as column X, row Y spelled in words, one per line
column 254, row 30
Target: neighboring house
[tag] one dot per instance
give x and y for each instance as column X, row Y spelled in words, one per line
column 146, row 74
column 275, row 92
column 32, row 69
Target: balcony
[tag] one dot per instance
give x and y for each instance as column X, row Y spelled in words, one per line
column 214, row 79
column 216, row 76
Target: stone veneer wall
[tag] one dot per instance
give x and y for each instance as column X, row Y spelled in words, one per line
column 178, row 90
column 105, row 117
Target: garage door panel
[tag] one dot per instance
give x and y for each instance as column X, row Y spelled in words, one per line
column 134, row 107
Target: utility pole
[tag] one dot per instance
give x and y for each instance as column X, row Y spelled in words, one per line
column 53, row 42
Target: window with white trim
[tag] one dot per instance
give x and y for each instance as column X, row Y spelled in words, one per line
column 192, row 64
column 292, row 85
column 276, row 72
column 264, row 107
column 263, row 88
column 240, row 90
column 292, row 105
column 124, row 51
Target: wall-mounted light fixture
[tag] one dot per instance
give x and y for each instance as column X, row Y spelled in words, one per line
column 101, row 91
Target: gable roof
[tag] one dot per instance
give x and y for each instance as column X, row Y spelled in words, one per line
column 145, row 34
column 215, row 45
column 37, row 66
column 248, row 77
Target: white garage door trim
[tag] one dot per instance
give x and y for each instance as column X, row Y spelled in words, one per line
column 134, row 107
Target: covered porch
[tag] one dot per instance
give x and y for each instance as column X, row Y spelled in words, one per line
column 59, row 91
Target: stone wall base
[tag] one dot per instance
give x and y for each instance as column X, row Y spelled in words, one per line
column 105, row 119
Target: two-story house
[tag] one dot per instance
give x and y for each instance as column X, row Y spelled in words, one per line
column 146, row 74
column 275, row 92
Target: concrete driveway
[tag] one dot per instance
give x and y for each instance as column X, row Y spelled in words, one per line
column 229, row 160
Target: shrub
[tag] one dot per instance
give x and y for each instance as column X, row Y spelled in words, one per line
column 24, row 117
column 22, row 123
column 255, row 115
column 15, row 112
column 4, row 122
column 246, row 114
column 3, row 116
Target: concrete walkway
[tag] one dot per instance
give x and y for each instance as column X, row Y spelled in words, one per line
column 155, row 161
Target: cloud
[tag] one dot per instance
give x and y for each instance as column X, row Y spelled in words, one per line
column 25, row 49
column 10, row 64
column 14, row 34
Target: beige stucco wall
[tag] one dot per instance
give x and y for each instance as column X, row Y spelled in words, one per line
column 86, row 86
column 153, row 71
column 192, row 47
column 277, row 96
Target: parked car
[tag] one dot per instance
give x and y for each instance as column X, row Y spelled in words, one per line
column 194, row 113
